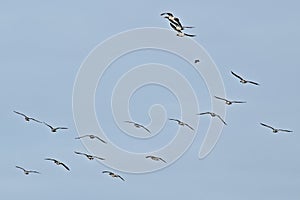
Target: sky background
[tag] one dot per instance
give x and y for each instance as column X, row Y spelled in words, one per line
column 42, row 46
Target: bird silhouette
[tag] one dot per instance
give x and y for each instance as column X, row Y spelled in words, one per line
column 275, row 130
column 244, row 80
column 27, row 172
column 91, row 137
column 58, row 163
column 26, row 117
column 156, row 158
column 181, row 123
column 229, row 102
column 113, row 175
column 138, row 125
column 90, row 157
column 54, row 129
column 212, row 114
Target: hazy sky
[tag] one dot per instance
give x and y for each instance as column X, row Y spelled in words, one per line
column 42, row 46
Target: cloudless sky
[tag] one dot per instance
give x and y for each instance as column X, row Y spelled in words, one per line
column 43, row 44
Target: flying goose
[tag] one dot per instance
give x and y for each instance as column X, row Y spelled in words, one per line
column 179, row 32
column 90, row 157
column 212, row 114
column 229, row 102
column 91, row 137
column 113, row 174
column 58, row 163
column 26, row 172
column 26, row 117
column 138, row 125
column 181, row 123
column 156, row 158
column 243, row 80
column 54, row 129
column 275, row 130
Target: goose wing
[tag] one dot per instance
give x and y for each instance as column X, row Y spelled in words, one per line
column 79, row 153
column 204, row 113
column 100, row 139
column 166, row 13
column 65, row 166
column 145, row 128
column 20, row 113
column 189, row 126
column 285, row 130
column 21, row 168
column 221, row 98
column 48, row 125
column 238, row 102
column 189, row 35
column 234, row 74
column 61, row 128
column 117, row 175
column 268, row 126
column 252, row 82
column 221, row 119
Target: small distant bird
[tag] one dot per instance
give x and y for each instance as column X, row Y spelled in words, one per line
column 229, row 102
column 243, row 80
column 138, row 125
column 26, row 117
column 113, row 175
column 26, row 172
column 90, row 157
column 212, row 114
column 58, row 163
column 275, row 130
column 91, row 137
column 54, row 129
column 179, row 32
column 197, row 60
column 156, row 158
column 181, row 123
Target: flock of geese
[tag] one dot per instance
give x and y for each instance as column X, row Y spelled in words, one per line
column 59, row 163
column 178, row 27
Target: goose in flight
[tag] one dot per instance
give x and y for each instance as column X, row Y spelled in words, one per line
column 26, row 117
column 58, row 163
column 275, row 130
column 91, row 137
column 179, row 32
column 181, row 123
column 212, row 114
column 113, row 174
column 243, row 80
column 26, row 172
column 90, row 157
column 54, row 129
column 156, row 158
column 229, row 102
column 138, row 125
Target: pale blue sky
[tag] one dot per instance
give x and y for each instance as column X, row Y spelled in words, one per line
column 42, row 46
